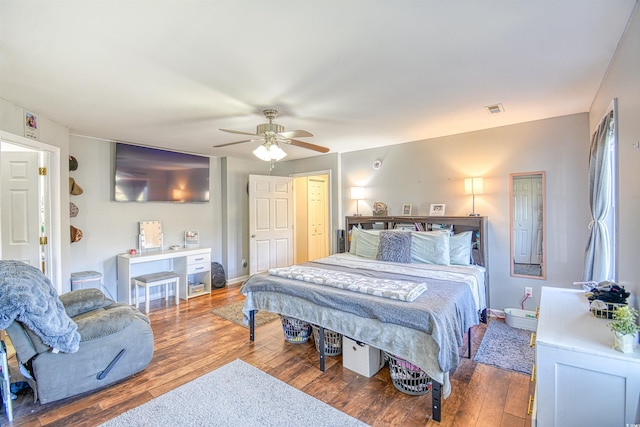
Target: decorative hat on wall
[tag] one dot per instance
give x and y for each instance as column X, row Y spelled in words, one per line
column 73, row 210
column 74, row 188
column 76, row 234
column 73, row 163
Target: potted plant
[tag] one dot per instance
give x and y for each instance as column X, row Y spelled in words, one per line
column 625, row 327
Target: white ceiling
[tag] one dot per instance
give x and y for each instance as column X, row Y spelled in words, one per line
column 357, row 74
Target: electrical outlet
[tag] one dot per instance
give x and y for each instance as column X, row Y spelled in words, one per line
column 528, row 292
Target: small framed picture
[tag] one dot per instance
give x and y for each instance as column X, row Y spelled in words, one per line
column 406, row 209
column 436, row 210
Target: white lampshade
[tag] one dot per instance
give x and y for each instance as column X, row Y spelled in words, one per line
column 262, row 153
column 274, row 152
column 357, row 193
column 473, row 186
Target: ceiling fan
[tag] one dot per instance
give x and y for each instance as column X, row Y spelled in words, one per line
column 271, row 135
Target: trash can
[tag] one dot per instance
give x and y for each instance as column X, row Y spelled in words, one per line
column 85, row 279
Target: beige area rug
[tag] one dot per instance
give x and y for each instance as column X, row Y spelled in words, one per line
column 233, row 312
column 235, row 395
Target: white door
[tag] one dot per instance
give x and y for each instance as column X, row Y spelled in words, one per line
column 522, row 220
column 318, row 217
column 270, row 222
column 20, row 207
column 527, row 220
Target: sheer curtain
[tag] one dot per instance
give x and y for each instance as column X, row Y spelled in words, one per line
column 599, row 262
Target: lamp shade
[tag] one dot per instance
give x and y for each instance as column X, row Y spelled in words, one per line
column 357, row 193
column 272, row 152
column 473, row 186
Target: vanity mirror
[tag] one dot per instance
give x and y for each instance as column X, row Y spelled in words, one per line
column 150, row 237
column 527, row 217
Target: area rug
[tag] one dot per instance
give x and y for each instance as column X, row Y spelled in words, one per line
column 506, row 347
column 233, row 312
column 236, row 394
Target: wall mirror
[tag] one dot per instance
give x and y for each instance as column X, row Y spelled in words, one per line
column 527, row 221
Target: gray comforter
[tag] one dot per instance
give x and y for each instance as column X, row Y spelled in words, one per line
column 445, row 311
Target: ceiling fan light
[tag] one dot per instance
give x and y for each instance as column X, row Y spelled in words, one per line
column 274, row 152
column 277, row 153
column 262, row 153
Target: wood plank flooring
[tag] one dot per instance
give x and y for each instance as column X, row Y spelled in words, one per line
column 190, row 342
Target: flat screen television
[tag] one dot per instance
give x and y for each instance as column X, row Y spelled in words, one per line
column 144, row 174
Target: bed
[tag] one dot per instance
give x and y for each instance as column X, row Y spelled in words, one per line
column 414, row 297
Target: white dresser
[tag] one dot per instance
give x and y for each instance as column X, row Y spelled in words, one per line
column 580, row 379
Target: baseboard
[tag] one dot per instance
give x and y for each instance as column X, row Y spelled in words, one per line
column 498, row 314
column 237, row 281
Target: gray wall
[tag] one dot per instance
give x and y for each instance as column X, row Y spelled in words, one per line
column 623, row 82
column 432, row 171
column 111, row 228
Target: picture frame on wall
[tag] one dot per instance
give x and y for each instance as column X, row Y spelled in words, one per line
column 406, row 209
column 437, row 209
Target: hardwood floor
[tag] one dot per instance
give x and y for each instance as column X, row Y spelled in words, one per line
column 190, row 342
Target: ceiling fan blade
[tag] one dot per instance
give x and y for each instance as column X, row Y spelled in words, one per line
column 294, row 133
column 306, row 145
column 239, row 132
column 232, row 143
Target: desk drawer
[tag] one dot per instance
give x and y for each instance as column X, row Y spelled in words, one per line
column 199, row 259
column 198, row 268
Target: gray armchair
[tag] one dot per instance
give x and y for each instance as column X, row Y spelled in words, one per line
column 101, row 342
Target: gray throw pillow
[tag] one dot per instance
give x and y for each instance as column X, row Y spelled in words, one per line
column 394, row 246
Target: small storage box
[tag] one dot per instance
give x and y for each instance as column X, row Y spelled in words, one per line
column 332, row 341
column 295, row 331
column 196, row 288
column 85, row 279
column 361, row 358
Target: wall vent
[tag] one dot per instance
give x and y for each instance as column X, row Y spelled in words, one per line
column 495, row 108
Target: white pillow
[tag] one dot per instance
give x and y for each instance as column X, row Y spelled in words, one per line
column 460, row 248
column 367, row 242
column 430, row 247
column 353, row 243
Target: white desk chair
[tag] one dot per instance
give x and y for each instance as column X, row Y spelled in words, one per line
column 156, row 279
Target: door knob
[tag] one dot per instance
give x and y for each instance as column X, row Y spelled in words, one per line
column 253, row 235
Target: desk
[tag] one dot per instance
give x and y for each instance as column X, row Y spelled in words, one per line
column 193, row 266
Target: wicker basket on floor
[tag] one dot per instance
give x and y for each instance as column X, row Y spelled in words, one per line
column 407, row 377
column 295, row 331
column 332, row 341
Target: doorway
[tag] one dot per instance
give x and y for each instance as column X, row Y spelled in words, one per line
column 311, row 217
column 30, row 204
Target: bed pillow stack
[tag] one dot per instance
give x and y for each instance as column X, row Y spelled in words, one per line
column 425, row 247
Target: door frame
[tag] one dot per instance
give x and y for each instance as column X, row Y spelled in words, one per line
column 53, row 194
